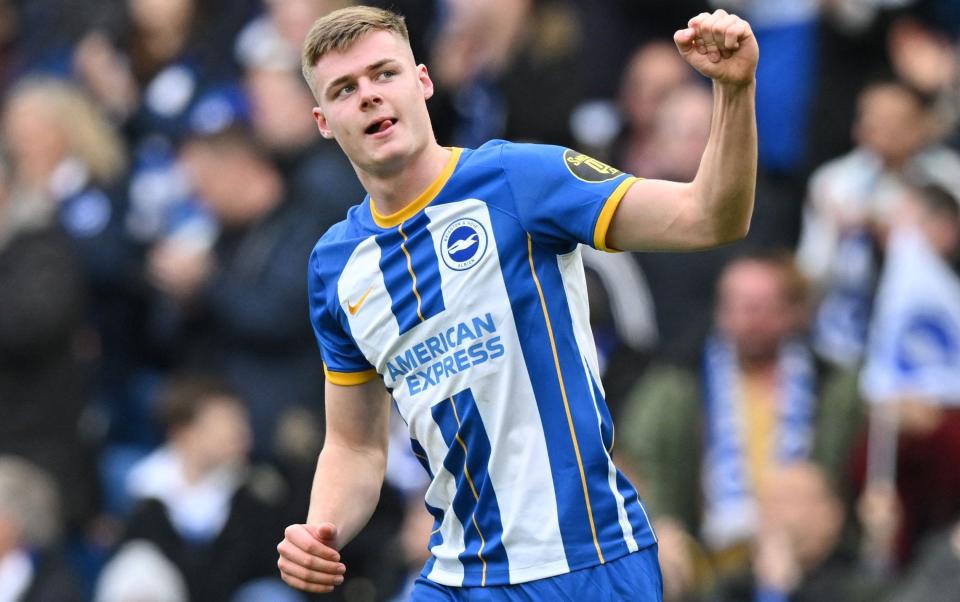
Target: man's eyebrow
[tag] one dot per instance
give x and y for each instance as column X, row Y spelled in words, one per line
column 371, row 67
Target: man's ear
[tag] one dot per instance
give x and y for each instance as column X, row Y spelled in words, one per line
column 425, row 82
column 322, row 124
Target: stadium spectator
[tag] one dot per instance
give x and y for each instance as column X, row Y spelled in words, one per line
column 800, row 553
column 199, row 500
column 45, row 363
column 704, row 441
column 653, row 72
column 32, row 565
column 912, row 373
column 237, row 304
column 852, row 196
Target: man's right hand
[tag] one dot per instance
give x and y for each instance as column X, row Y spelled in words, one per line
column 309, row 560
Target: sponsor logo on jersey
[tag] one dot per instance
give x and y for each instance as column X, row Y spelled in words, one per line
column 587, row 168
column 463, row 244
column 446, row 353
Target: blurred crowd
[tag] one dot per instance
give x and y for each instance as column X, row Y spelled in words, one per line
column 788, row 406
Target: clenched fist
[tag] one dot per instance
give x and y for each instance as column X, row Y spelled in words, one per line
column 720, row 46
column 308, row 559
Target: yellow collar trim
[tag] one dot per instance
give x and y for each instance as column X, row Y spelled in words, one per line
column 394, row 219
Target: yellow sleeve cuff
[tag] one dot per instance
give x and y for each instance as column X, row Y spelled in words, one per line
column 349, row 378
column 606, row 215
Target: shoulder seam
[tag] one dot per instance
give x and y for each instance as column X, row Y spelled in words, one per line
column 315, row 272
column 513, row 194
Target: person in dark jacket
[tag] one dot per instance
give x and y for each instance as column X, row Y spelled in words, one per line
column 199, row 500
column 44, row 367
column 238, row 300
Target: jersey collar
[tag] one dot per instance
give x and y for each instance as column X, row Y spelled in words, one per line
column 394, row 219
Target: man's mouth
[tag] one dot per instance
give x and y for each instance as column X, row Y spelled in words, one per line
column 381, row 125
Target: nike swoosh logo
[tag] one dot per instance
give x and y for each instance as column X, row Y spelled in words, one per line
column 353, row 308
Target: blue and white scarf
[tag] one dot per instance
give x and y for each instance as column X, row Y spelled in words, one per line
column 730, row 511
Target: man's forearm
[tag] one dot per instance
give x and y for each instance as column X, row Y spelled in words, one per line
column 726, row 180
column 346, row 489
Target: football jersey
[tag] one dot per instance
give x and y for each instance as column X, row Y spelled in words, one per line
column 471, row 305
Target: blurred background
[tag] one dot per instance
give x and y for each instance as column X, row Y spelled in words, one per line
column 787, row 406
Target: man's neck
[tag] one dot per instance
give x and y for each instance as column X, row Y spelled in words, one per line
column 394, row 191
column 759, row 367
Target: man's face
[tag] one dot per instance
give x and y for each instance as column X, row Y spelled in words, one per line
column 753, row 311
column 372, row 101
column 219, row 435
column 890, row 123
column 280, row 104
column 222, row 179
column 653, row 72
column 31, row 138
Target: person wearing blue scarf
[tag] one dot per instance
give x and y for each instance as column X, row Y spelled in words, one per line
column 702, row 439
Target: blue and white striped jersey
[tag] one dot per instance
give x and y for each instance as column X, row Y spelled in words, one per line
column 471, row 305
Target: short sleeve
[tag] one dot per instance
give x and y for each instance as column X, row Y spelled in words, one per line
column 563, row 197
column 343, row 362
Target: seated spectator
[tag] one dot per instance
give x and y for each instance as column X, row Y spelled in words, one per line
column 198, row 498
column 653, row 71
column 799, row 554
column 276, row 35
column 153, row 70
column 72, row 166
column 912, row 372
column 44, row 373
column 237, row 304
column 76, row 169
column 680, row 130
column 703, row 441
column 31, row 566
column 852, row 196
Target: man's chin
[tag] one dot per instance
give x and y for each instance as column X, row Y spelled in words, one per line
column 387, row 159
column 754, row 356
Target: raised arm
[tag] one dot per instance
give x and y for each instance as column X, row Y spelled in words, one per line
column 716, row 207
column 346, row 486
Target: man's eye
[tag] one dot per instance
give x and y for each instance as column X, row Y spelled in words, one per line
column 387, row 74
column 344, row 91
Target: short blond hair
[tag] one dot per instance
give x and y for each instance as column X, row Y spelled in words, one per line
column 340, row 29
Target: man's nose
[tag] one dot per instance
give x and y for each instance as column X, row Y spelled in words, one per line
column 369, row 97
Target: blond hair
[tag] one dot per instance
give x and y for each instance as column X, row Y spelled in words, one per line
column 340, row 29
column 90, row 136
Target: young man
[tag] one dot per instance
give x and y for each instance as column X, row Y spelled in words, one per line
column 458, row 283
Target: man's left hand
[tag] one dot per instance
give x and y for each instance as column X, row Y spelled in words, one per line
column 720, row 46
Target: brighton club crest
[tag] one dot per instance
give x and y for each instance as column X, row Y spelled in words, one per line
column 463, row 244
